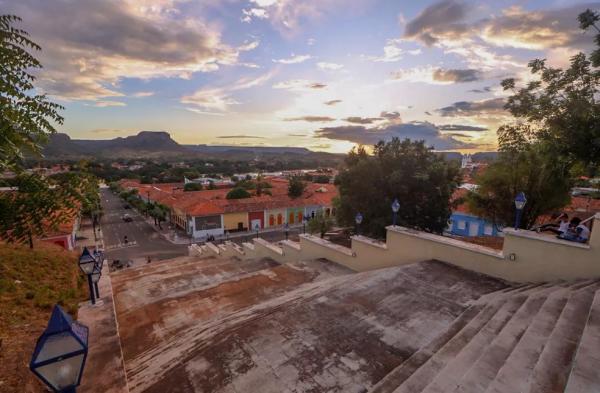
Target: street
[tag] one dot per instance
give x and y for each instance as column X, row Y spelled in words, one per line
column 143, row 240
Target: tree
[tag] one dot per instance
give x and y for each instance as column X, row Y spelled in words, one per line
column 192, row 187
column 322, row 179
column 26, row 118
column 560, row 107
column 38, row 206
column 532, row 169
column 321, row 224
column 238, row 193
column 296, row 187
column 408, row 170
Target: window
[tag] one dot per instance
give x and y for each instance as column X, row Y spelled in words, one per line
column 291, row 221
column 461, row 224
column 271, row 220
column 207, row 222
column 488, row 230
column 300, row 217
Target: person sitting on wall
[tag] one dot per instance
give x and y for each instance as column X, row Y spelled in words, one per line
column 559, row 225
column 577, row 232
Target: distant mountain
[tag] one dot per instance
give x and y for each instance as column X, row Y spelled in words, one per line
column 158, row 144
column 211, row 149
column 145, row 143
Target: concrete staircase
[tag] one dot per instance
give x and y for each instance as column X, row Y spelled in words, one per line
column 539, row 338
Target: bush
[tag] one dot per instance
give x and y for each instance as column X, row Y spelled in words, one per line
column 192, row 187
column 238, row 193
column 296, row 187
column 322, row 179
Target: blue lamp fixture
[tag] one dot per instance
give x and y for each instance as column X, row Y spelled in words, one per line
column 395, row 208
column 257, row 227
column 87, row 263
column 358, row 219
column 60, row 352
column 520, row 201
column 287, row 230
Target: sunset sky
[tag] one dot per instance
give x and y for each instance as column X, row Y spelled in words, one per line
column 322, row 74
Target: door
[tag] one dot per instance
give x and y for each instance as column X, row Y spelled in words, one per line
column 240, row 226
column 473, row 229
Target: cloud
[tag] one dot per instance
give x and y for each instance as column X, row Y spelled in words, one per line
column 415, row 131
column 299, row 85
column 240, row 137
column 391, row 115
column 486, row 89
column 332, row 102
column 298, row 135
column 460, row 127
column 218, row 99
column 142, row 94
column 90, row 45
column 362, row 120
column 490, row 107
column 434, row 75
column 329, row 66
column 459, row 135
column 249, row 14
column 312, row 119
column 107, row 103
column 444, row 20
column 294, row 59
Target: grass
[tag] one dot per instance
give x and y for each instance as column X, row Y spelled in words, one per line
column 31, row 283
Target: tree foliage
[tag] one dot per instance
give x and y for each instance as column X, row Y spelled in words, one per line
column 421, row 180
column 37, row 206
column 320, row 224
column 296, row 187
column 192, row 187
column 238, row 193
column 26, row 118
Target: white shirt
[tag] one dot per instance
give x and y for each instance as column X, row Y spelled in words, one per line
column 583, row 232
column 563, row 226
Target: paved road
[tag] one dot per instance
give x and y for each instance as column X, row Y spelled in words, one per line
column 143, row 240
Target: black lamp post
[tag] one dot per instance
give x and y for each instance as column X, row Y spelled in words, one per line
column 395, row 208
column 287, row 230
column 99, row 257
column 358, row 219
column 60, row 353
column 304, row 221
column 520, row 202
column 87, row 263
column 257, row 227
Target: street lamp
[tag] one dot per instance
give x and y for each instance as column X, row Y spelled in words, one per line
column 520, row 202
column 60, row 352
column 395, row 208
column 287, row 230
column 257, row 227
column 87, row 263
column 304, row 221
column 99, row 257
column 358, row 219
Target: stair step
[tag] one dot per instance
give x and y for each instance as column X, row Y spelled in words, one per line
column 585, row 377
column 476, row 374
column 394, row 378
column 553, row 367
column 513, row 375
column 464, row 348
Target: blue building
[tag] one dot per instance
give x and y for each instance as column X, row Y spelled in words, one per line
column 464, row 224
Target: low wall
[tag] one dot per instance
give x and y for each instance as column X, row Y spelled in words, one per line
column 526, row 257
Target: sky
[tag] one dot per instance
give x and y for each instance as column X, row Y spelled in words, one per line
column 321, row 74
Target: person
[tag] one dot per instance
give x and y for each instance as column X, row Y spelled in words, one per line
column 577, row 232
column 559, row 226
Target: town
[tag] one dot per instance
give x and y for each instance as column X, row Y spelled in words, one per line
column 319, row 217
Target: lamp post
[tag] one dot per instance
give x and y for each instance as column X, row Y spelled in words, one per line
column 395, row 208
column 87, row 263
column 59, row 355
column 147, row 203
column 304, row 221
column 257, row 227
column 358, row 219
column 520, row 202
column 287, row 230
column 99, row 256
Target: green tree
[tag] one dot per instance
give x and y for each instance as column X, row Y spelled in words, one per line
column 238, row 193
column 192, row 187
column 296, row 187
column 26, row 118
column 320, row 224
column 322, row 179
column 408, row 170
column 530, row 168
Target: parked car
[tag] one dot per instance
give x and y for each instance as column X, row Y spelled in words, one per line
column 127, row 218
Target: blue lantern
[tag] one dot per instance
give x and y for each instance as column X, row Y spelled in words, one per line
column 395, row 208
column 60, row 352
column 520, row 202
